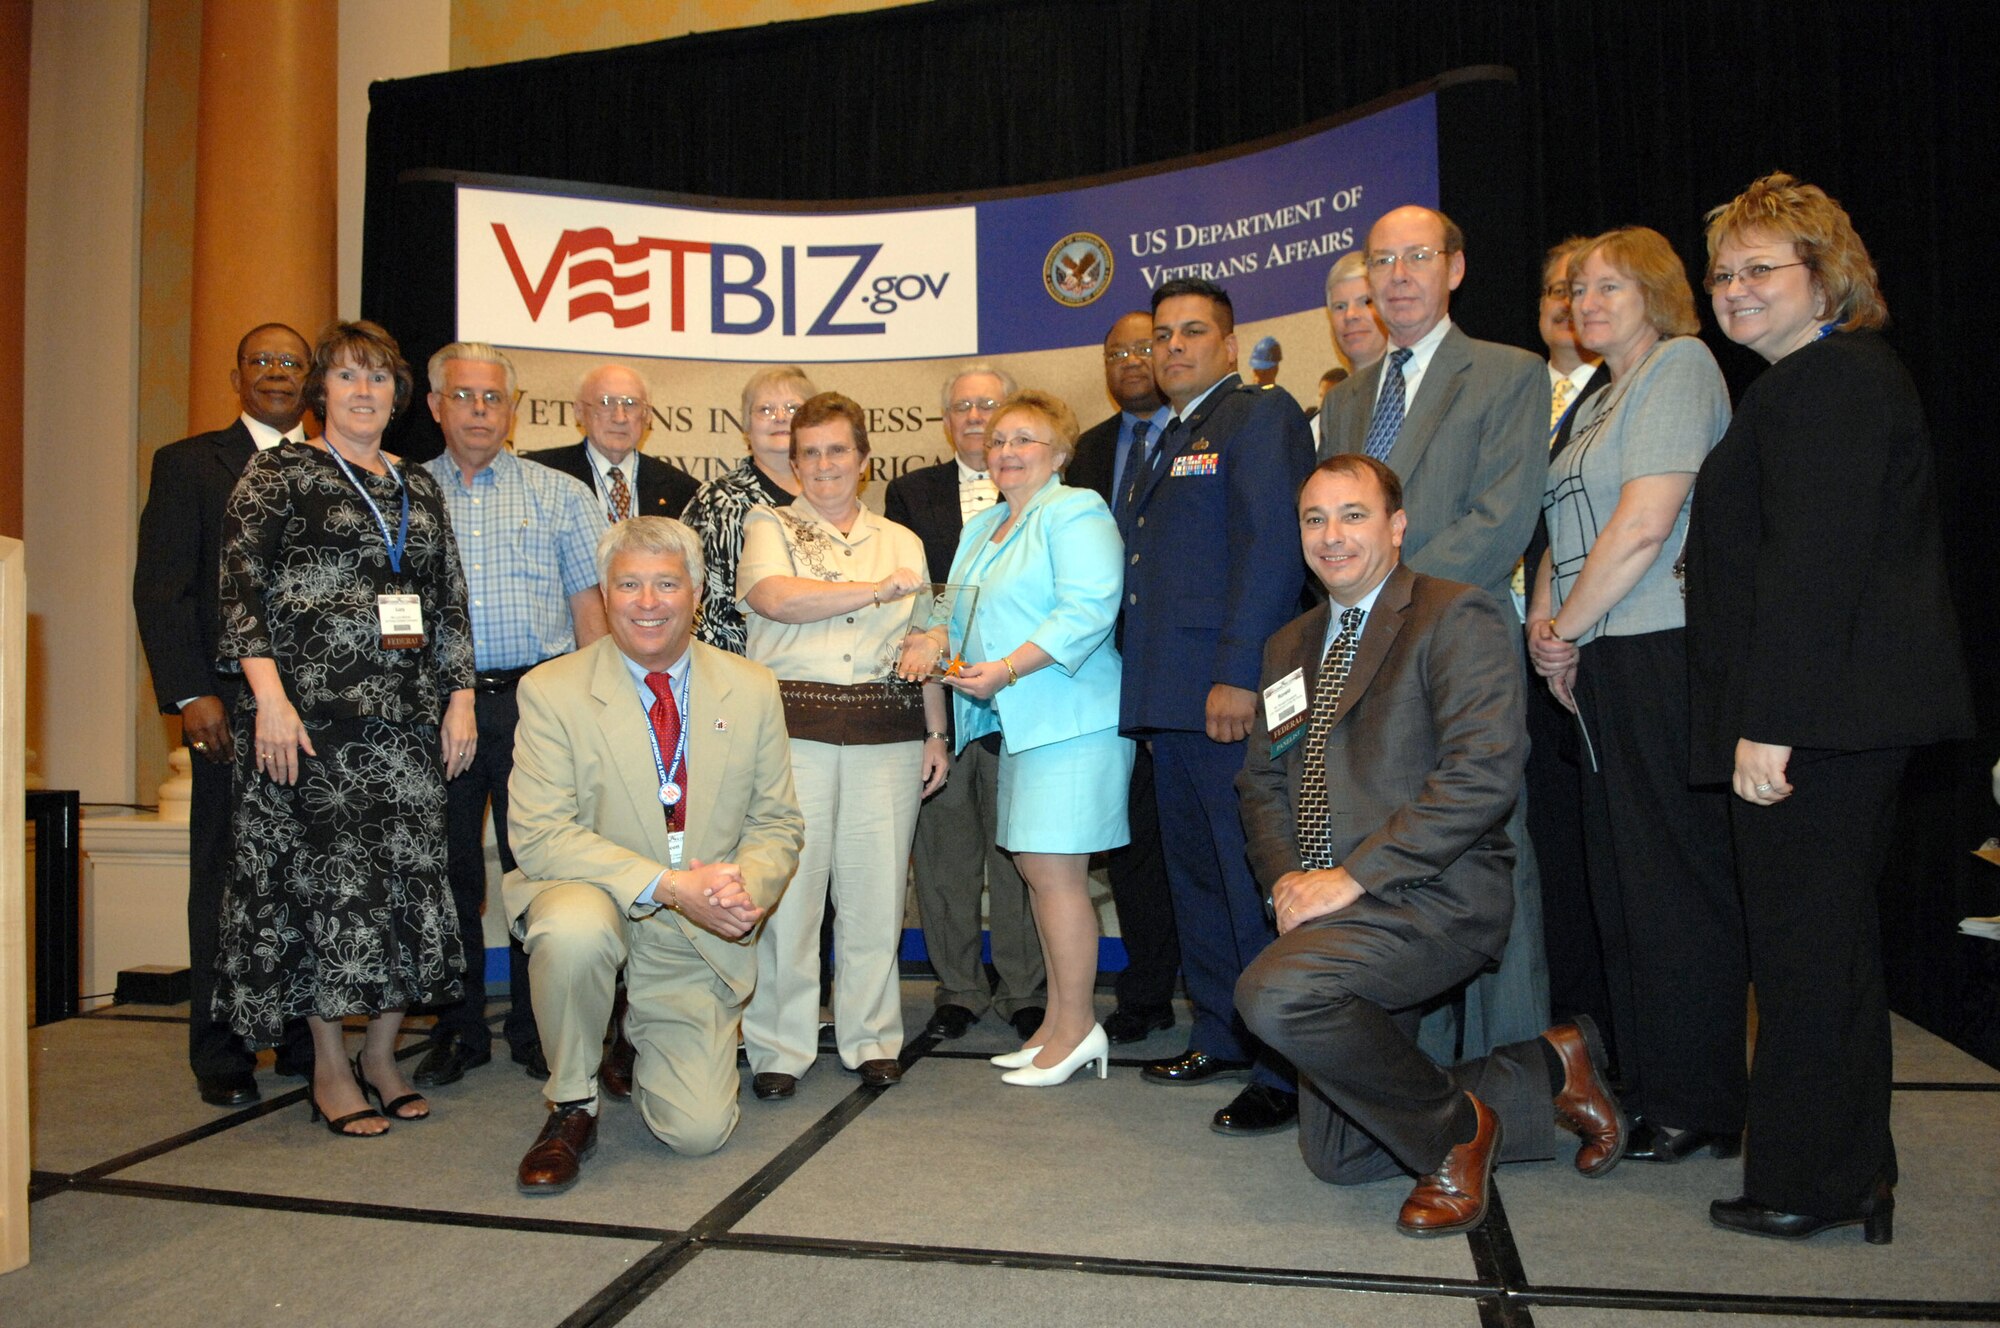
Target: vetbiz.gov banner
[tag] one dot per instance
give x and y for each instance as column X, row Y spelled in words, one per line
column 884, row 304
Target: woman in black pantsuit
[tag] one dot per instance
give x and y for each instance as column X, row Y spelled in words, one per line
column 1822, row 648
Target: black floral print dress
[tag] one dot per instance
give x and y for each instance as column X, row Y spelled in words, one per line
column 339, row 903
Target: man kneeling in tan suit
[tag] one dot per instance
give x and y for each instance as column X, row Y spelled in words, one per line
column 652, row 814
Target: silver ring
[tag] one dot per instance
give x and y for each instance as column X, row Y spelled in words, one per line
column 1763, row 788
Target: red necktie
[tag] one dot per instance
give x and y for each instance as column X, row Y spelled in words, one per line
column 666, row 718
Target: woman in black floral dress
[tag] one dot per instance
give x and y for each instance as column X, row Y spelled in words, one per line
column 343, row 598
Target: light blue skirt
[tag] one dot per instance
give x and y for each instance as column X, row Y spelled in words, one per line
column 1066, row 797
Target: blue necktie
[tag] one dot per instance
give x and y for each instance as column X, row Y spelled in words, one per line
column 1135, row 462
column 1388, row 419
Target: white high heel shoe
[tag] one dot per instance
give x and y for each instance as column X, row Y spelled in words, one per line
column 1094, row 1047
column 1014, row 1060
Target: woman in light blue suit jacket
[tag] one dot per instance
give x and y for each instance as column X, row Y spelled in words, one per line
column 1049, row 566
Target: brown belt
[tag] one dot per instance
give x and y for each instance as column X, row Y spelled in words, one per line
column 857, row 715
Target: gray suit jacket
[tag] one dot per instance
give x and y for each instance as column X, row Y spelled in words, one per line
column 1423, row 763
column 583, row 802
column 1472, row 454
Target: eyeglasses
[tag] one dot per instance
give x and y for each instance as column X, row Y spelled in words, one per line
column 265, row 360
column 611, row 405
column 1556, row 290
column 1019, row 442
column 1752, row 275
column 465, row 396
column 767, row 411
column 1119, row 354
column 1414, row 261
column 966, row 405
column 836, row 452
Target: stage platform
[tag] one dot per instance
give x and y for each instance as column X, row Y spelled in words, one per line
column 949, row 1199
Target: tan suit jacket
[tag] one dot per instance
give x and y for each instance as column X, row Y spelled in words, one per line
column 584, row 804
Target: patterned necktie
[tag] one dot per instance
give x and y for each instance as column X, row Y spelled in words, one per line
column 1135, row 462
column 1558, row 403
column 1315, row 836
column 621, row 494
column 1387, row 421
column 666, row 717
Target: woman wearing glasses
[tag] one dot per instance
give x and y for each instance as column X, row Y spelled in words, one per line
column 1606, row 627
column 1043, row 689
column 1823, row 647
column 823, row 585
column 343, row 600
column 716, row 512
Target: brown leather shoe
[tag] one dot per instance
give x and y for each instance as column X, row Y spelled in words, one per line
column 880, row 1073
column 1585, row 1106
column 615, row 1070
column 552, row 1165
column 1453, row 1198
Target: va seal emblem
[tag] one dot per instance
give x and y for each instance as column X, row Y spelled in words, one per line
column 1078, row 269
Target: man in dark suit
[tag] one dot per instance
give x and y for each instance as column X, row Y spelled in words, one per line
column 1211, row 571
column 1104, row 459
column 616, row 413
column 956, row 851
column 174, row 591
column 1464, row 423
column 1382, row 766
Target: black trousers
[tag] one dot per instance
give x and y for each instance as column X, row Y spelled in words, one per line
column 1341, row 998
column 1819, row 1088
column 466, row 799
column 1555, row 824
column 214, row 1051
column 1664, row 889
column 1145, row 907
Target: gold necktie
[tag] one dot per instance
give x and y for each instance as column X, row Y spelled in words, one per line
column 1559, row 401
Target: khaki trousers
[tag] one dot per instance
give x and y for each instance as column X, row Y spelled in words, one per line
column 682, row 1017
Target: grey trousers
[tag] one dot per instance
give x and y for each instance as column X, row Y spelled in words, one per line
column 1338, row 997
column 957, row 860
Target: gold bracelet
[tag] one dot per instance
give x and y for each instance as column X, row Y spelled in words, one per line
column 673, row 892
column 1012, row 677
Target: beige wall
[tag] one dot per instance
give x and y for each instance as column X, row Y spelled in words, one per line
column 491, row 32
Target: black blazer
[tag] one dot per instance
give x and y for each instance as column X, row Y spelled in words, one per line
column 664, row 488
column 176, row 584
column 1096, row 461
column 926, row 501
column 1817, row 610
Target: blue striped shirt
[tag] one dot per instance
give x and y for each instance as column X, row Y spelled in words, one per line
column 527, row 536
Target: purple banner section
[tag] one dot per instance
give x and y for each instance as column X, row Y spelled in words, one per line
column 1054, row 267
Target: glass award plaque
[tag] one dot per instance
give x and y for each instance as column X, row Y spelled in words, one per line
column 937, row 604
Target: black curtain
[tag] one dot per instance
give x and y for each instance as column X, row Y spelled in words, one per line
column 1622, row 113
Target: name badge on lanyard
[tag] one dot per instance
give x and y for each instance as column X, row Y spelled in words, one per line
column 399, row 616
column 1286, row 709
column 673, row 776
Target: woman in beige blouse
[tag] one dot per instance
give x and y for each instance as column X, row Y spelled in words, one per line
column 823, row 585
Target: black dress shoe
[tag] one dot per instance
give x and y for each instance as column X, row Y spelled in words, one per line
column 1123, row 1026
column 292, row 1067
column 228, row 1090
column 447, row 1060
column 1876, row 1218
column 1257, row 1110
column 1194, row 1067
column 950, row 1021
column 880, row 1073
column 532, row 1059
column 1658, row 1143
column 769, row 1084
column 1027, row 1019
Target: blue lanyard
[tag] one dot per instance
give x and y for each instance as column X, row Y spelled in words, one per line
column 1826, row 330
column 402, row 532
column 670, row 778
